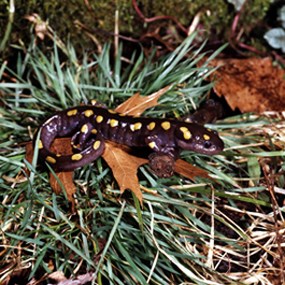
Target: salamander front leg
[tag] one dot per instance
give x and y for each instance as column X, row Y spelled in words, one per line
column 161, row 164
column 158, row 145
column 162, row 160
column 96, row 103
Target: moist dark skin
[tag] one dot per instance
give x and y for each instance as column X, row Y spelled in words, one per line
column 90, row 126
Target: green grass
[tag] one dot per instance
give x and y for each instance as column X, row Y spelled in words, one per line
column 184, row 229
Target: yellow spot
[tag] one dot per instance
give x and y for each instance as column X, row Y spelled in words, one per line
column 152, row 145
column 58, row 155
column 151, row 126
column 165, row 125
column 76, row 156
column 84, row 129
column 50, row 159
column 72, row 112
column 99, row 119
column 122, row 115
column 135, row 127
column 111, row 111
column 206, row 137
column 113, row 123
column 88, row 113
column 94, row 131
column 96, row 145
column 93, row 102
column 40, row 144
column 186, row 133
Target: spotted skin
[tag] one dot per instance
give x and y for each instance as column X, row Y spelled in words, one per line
column 90, row 126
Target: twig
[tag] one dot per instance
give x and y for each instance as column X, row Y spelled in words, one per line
column 157, row 18
column 116, row 33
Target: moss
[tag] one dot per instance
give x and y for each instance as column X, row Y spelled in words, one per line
column 253, row 13
column 99, row 17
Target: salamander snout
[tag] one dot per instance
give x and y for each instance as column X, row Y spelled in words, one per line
column 213, row 146
column 199, row 139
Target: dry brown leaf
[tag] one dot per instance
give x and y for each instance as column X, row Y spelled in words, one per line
column 60, row 278
column 137, row 104
column 187, row 170
column 251, row 85
column 62, row 146
column 124, row 167
column 29, row 153
column 66, row 179
column 57, row 276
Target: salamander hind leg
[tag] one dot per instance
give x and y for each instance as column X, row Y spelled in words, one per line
column 81, row 139
column 70, row 162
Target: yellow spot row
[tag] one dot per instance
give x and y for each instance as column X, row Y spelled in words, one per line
column 73, row 112
column 74, row 157
column 166, row 125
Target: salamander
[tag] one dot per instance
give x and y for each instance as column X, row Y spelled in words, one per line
column 90, row 126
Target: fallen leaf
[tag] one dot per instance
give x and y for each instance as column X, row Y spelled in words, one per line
column 62, row 146
column 187, row 170
column 124, row 167
column 251, row 85
column 29, row 155
column 60, row 278
column 137, row 104
column 57, row 276
column 66, row 179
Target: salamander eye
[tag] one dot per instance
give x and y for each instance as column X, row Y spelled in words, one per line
column 207, row 144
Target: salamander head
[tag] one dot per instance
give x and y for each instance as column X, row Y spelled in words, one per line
column 197, row 138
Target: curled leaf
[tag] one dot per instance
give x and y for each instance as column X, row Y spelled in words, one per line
column 187, row 170
column 137, row 104
column 250, row 85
